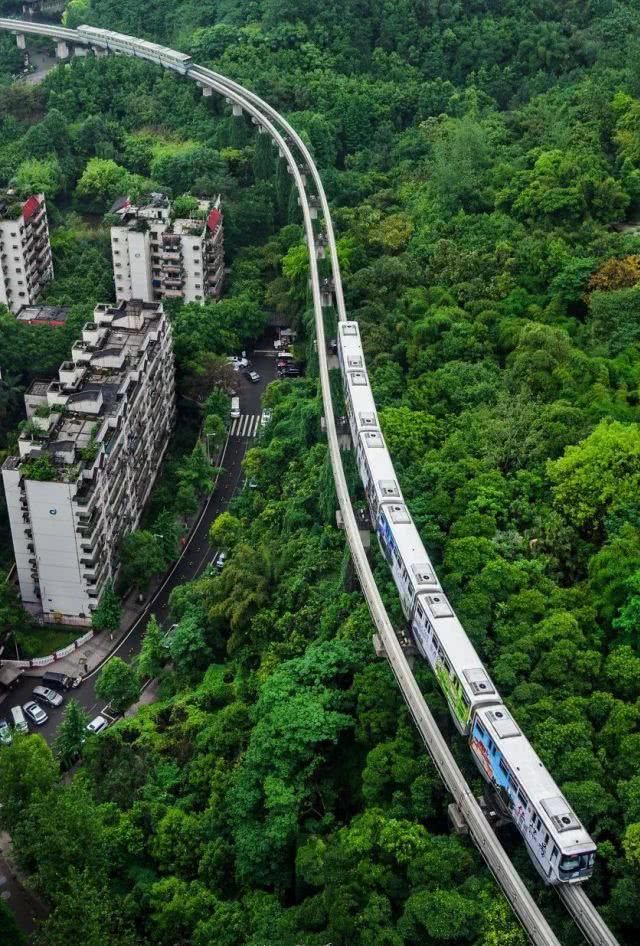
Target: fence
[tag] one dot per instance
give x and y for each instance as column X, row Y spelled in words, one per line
column 51, row 658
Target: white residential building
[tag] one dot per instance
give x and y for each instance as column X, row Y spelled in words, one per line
column 157, row 255
column 88, row 457
column 25, row 251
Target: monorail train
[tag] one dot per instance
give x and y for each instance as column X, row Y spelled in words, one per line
column 130, row 46
column 558, row 844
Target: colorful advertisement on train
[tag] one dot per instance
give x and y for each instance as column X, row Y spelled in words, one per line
column 450, row 686
column 453, row 693
column 494, row 773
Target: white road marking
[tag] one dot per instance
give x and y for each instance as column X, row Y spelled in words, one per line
column 247, row 425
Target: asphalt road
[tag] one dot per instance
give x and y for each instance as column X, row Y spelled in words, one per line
column 196, row 557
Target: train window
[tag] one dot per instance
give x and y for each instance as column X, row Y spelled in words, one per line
column 492, row 746
column 503, row 768
column 480, row 729
column 465, row 699
column 554, row 853
column 523, row 798
column 420, row 612
column 546, row 839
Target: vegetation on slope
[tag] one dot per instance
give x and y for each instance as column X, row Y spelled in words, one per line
column 478, row 156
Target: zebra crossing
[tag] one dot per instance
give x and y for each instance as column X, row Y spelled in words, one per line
column 247, row 425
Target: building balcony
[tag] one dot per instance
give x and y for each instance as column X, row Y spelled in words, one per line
column 86, row 500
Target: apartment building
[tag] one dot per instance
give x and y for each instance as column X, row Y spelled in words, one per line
column 88, row 457
column 25, row 251
column 158, row 254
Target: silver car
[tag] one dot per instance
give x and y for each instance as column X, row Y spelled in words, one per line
column 35, row 713
column 46, row 695
column 98, row 724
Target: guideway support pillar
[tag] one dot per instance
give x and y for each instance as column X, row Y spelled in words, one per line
column 21, row 41
column 62, row 50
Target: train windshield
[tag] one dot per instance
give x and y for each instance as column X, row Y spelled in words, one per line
column 572, row 864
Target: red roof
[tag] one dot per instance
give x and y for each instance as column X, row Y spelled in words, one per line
column 31, row 206
column 213, row 220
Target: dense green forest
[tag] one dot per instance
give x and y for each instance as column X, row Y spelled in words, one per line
column 483, row 161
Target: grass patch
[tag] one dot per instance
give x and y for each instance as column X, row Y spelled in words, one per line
column 42, row 641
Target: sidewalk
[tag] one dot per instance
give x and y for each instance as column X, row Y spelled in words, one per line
column 84, row 660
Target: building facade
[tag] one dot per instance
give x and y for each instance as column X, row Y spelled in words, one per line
column 25, row 250
column 159, row 255
column 88, row 458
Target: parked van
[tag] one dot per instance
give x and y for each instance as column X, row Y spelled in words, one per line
column 18, row 719
column 235, row 407
column 56, row 681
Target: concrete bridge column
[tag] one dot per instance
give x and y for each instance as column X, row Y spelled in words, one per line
column 62, row 50
column 21, row 41
column 207, row 91
column 236, row 109
column 80, row 51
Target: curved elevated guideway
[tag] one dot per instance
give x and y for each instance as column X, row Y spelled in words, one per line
column 302, row 167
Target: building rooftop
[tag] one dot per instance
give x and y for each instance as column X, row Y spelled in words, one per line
column 44, row 314
column 12, row 206
column 72, row 420
column 157, row 206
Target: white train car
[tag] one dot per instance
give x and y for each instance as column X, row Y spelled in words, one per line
column 360, row 405
column 143, row 49
column 410, row 565
column 376, row 472
column 558, row 844
column 441, row 640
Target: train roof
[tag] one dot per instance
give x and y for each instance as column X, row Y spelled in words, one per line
column 458, row 648
column 361, row 397
column 410, row 548
column 380, row 467
column 560, row 820
column 356, row 377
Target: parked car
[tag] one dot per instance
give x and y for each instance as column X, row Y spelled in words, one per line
column 98, row 724
column 59, row 681
column 47, row 695
column 18, row 719
column 5, row 733
column 35, row 713
column 253, row 376
column 291, row 371
column 221, row 561
column 266, row 418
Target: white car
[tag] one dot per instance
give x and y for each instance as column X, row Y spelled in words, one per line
column 221, row 561
column 266, row 418
column 5, row 732
column 47, row 695
column 98, row 724
column 35, row 713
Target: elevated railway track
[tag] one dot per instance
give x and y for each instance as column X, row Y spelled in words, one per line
column 312, row 198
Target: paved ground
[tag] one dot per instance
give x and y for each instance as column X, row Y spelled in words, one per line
column 196, row 557
column 44, row 62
